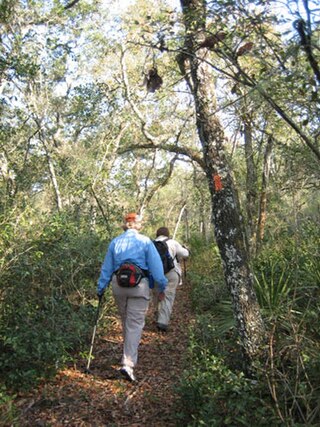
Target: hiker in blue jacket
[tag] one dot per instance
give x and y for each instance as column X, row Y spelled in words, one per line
column 177, row 252
column 131, row 248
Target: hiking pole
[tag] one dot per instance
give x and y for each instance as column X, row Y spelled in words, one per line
column 87, row 370
column 185, row 270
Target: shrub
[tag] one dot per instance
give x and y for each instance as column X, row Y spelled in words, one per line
column 46, row 315
column 214, row 395
column 205, row 273
column 8, row 412
column 214, row 391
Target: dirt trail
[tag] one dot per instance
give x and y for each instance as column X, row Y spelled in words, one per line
column 104, row 398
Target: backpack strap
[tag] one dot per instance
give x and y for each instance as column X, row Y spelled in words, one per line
column 165, row 240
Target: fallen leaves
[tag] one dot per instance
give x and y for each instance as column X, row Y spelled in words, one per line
column 104, row 398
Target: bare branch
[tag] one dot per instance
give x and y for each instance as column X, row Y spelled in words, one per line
column 305, row 41
column 136, row 110
column 161, row 183
column 171, row 148
column 71, row 4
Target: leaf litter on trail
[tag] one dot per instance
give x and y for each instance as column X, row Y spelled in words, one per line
column 104, row 398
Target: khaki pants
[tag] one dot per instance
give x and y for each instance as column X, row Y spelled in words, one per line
column 165, row 307
column 132, row 306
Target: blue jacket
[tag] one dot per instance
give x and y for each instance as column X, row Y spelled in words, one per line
column 133, row 247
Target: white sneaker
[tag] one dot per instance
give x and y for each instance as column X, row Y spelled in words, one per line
column 127, row 372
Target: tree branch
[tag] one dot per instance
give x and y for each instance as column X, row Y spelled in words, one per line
column 101, row 209
column 305, row 41
column 153, row 142
column 171, row 148
column 250, row 82
column 136, row 110
column 71, row 4
column 159, row 184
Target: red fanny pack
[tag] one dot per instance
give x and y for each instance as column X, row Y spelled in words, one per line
column 129, row 275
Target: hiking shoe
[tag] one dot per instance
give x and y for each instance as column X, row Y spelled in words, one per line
column 162, row 327
column 127, row 373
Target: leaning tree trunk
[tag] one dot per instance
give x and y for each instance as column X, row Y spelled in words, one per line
column 227, row 220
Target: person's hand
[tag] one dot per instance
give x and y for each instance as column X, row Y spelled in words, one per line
column 161, row 296
column 100, row 295
column 185, row 247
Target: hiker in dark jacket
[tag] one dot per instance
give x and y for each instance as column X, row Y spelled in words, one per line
column 133, row 248
column 177, row 252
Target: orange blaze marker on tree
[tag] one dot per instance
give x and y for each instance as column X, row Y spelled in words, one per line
column 217, row 182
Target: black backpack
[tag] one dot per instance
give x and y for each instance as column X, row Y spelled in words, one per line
column 165, row 256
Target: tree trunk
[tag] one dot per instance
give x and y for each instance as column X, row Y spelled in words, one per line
column 93, row 218
column 251, row 186
column 227, row 219
column 179, row 220
column 53, row 176
column 262, row 217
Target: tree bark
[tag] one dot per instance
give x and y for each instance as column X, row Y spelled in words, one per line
column 227, row 219
column 179, row 220
column 251, row 185
column 71, row 4
column 262, row 217
column 53, row 176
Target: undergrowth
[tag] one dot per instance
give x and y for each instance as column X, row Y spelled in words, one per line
column 285, row 391
column 48, row 300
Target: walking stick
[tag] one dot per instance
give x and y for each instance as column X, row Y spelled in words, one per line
column 87, row 370
column 184, row 270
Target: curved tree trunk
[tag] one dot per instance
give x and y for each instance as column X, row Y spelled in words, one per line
column 227, row 220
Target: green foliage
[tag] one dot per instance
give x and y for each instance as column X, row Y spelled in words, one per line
column 285, row 391
column 6, row 10
column 46, row 312
column 272, row 286
column 214, row 395
column 37, row 340
column 209, row 295
column 206, row 274
column 7, row 410
column 215, row 392
column 288, row 290
column 288, row 269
